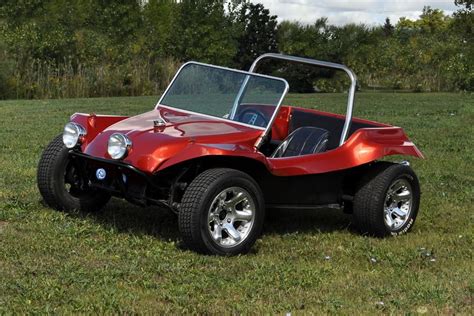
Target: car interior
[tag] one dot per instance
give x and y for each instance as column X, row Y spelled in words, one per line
column 302, row 131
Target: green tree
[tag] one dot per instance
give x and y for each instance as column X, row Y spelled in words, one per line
column 388, row 28
column 463, row 26
column 258, row 33
column 312, row 41
column 206, row 32
column 464, row 19
column 433, row 20
column 159, row 32
column 75, row 29
column 467, row 4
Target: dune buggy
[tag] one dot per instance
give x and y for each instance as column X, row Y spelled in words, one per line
column 220, row 149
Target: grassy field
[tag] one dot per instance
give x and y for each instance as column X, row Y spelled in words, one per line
column 128, row 260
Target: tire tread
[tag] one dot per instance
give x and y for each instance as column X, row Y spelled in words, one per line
column 51, row 159
column 370, row 197
column 45, row 169
column 192, row 201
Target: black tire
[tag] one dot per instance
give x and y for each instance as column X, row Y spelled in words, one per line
column 195, row 205
column 370, row 198
column 51, row 176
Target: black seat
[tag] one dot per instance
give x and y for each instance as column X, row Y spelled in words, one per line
column 303, row 141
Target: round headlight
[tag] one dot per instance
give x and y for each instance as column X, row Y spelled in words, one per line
column 119, row 145
column 72, row 134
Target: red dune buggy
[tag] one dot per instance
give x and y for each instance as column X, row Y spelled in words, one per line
column 219, row 149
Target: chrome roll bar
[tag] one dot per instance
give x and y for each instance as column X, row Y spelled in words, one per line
column 325, row 64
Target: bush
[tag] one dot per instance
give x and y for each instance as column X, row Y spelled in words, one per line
column 6, row 70
column 36, row 78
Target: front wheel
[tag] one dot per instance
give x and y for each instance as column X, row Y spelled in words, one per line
column 221, row 213
column 387, row 200
column 61, row 184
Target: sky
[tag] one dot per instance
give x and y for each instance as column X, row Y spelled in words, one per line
column 339, row 12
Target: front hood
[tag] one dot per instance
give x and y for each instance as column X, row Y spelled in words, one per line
column 152, row 146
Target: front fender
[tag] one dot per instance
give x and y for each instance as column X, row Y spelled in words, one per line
column 94, row 124
column 193, row 151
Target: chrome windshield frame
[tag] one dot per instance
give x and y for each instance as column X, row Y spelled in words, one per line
column 325, row 64
column 267, row 129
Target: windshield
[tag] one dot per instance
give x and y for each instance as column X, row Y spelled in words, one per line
column 226, row 93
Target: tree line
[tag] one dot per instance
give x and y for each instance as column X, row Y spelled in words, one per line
column 83, row 48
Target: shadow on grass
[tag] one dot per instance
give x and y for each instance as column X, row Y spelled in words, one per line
column 323, row 220
column 124, row 217
column 163, row 224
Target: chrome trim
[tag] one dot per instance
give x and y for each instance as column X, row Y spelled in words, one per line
column 259, row 141
column 159, row 122
column 398, row 204
column 270, row 122
column 224, row 215
column 239, row 96
column 100, row 174
column 126, row 141
column 81, row 132
column 325, row 64
column 170, row 84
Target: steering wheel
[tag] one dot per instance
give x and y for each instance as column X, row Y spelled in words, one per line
column 253, row 117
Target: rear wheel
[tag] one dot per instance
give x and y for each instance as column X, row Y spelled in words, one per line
column 61, row 184
column 387, row 200
column 221, row 212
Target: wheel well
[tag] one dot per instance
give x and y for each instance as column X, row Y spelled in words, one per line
column 250, row 166
column 179, row 176
column 354, row 175
column 195, row 166
column 174, row 180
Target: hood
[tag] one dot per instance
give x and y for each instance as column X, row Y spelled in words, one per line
column 151, row 146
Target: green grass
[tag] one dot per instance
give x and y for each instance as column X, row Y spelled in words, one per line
column 128, row 259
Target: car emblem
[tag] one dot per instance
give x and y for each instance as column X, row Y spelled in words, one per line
column 100, row 174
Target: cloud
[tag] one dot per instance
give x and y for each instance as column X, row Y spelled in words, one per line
column 356, row 11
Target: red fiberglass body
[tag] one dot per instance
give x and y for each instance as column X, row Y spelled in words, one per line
column 219, row 149
column 187, row 136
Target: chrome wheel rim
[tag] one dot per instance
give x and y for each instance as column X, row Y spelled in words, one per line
column 398, row 204
column 231, row 217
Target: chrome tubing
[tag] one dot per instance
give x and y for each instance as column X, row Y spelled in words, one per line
column 325, row 64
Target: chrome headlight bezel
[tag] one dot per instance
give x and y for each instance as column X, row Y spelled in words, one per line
column 118, row 146
column 73, row 134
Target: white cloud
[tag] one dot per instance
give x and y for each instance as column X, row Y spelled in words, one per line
column 340, row 12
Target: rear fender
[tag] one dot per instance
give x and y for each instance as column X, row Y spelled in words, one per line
column 364, row 146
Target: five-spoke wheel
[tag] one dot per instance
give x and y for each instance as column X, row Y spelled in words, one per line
column 221, row 212
column 231, row 216
column 387, row 200
column 398, row 204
